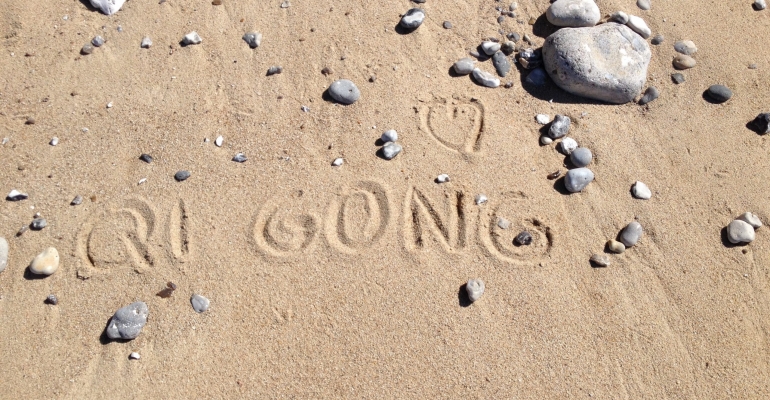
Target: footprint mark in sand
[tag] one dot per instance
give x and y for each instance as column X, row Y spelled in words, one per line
column 458, row 125
column 358, row 217
column 278, row 232
column 425, row 218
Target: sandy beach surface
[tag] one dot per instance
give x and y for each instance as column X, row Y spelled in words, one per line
column 348, row 281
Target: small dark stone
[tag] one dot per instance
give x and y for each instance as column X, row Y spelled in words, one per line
column 508, row 48
column 38, row 224
column 419, row 1
column 240, row 158
column 326, row 71
column 762, row 123
column 650, row 95
column 78, row 200
column 372, row 78
column 523, row 239
column 719, row 93
column 274, row 70
column 677, row 78
column 30, row 121
column 500, row 19
column 657, row 39
column 181, row 175
column 52, row 300
column 514, row 36
column 447, row 25
column 87, row 49
column 146, row 158
column 508, row 85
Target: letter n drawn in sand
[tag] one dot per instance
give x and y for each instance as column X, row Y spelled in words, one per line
column 458, row 125
column 443, row 222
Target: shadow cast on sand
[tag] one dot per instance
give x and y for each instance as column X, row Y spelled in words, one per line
column 28, row 275
column 462, row 297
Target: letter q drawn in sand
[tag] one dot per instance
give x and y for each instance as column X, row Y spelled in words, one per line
column 457, row 125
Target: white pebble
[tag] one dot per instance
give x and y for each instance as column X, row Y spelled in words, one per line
column 475, row 288
column 740, row 232
column 54, row 141
column 109, row 105
column 639, row 26
column 503, row 223
column 134, row 356
column 641, row 191
column 567, row 146
column 16, row 195
column 141, row 181
column 45, row 263
column 481, row 199
column 760, row 4
column 219, row 141
column 389, row 136
column 485, row 78
column 338, row 161
column 542, row 119
column 191, row 38
column 443, row 178
column 751, row 219
column 545, row 140
column 146, row 43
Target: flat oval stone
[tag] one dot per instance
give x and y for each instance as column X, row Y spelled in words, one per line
column 501, row 63
column 577, row 179
column 4, row 249
column 619, row 17
column 740, row 232
column 615, row 247
column 607, row 62
column 413, row 18
column 485, row 78
column 475, row 288
column 45, row 263
column 631, row 234
column 638, row 25
column 464, row 66
column 683, row 61
column 107, row 7
column 748, row 218
column 719, row 93
column 127, row 323
column 181, row 175
column 581, row 157
column 600, row 260
column 199, row 303
column 643, row 4
column 573, row 13
column 344, row 91
column 38, row 224
column 686, row 47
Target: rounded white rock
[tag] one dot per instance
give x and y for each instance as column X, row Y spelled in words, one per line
column 191, row 38
column 199, row 303
column 543, row 119
column 567, row 146
column 475, row 288
column 485, row 78
column 45, row 263
column 4, row 249
column 740, row 232
column 545, row 140
column 219, row 140
column 338, row 161
column 443, row 178
column 751, row 219
column 638, row 25
column 134, row 356
column 573, row 13
column 481, row 199
column 641, row 191
column 389, row 136
column 490, row 48
column 108, row 7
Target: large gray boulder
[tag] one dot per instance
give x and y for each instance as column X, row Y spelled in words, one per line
column 606, row 62
column 573, row 13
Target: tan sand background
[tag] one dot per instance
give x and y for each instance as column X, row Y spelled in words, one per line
column 337, row 282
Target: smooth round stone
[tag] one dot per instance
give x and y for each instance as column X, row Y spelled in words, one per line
column 474, row 288
column 191, row 38
column 657, row 39
column 615, row 247
column 97, row 41
column 389, row 136
column 490, row 47
column 146, row 158
column 199, row 303
column 683, row 61
column 619, row 17
column 759, row 5
column 447, row 25
column 573, row 13
column 182, row 175
column 600, row 260
column 641, row 191
column 391, row 150
column 567, row 146
column 443, row 178
column 607, row 62
column 344, row 91
column 524, row 238
column 501, row 63
column 638, row 25
column 537, row 77
column 45, row 263
column 740, row 232
column 719, row 93
column 464, row 66
column 559, row 126
column 631, row 234
column 4, row 249
column 686, row 47
column 87, row 49
column 762, row 123
column 107, row 7
column 127, row 323
column 748, row 218
column 650, row 95
column 38, row 224
column 575, row 180
column 581, row 157
column 545, row 140
column 485, row 78
column 677, row 78
column 253, row 39
column 643, row 4
column 413, row 18
column 274, row 70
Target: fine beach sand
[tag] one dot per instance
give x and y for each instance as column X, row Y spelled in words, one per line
column 346, row 281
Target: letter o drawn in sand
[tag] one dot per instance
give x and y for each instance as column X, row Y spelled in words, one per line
column 358, row 217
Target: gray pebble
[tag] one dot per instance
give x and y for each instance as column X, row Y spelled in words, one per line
column 418, row 1
column 191, row 38
column 683, row 61
column 87, row 49
column 464, row 66
column 97, row 41
column 615, row 246
column 751, row 219
column 719, row 93
column 240, row 158
column 146, row 158
column 344, row 91
column 52, row 300
column 128, row 321
column 413, row 18
column 501, row 19
column 274, row 70
column 474, row 288
column 447, row 25
column 559, row 126
column 78, row 200
column 643, row 4
column 4, row 249
column 657, row 39
column 501, row 63
column 199, row 303
column 600, row 260
column 740, row 232
column 253, row 39
column 575, row 180
column 391, row 150
column 762, row 123
column 285, row 4
column 686, row 47
column 485, row 78
column 389, row 136
column 182, row 175
column 650, row 95
column 146, row 43
column 480, row 199
column 581, row 157
column 537, row 77
column 677, row 78
column 38, row 224
column 524, row 238
column 631, row 234
column 619, row 17
column 759, row 5
column 515, row 37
